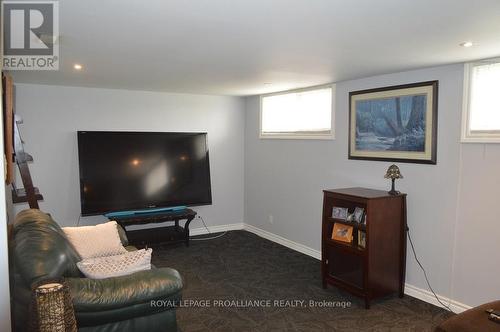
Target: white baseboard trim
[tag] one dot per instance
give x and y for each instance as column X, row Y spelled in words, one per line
column 285, row 242
column 426, row 296
column 416, row 292
column 216, row 229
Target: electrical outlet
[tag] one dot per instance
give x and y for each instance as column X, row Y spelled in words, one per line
column 271, row 219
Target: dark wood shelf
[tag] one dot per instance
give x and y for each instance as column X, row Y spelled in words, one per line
column 362, row 193
column 378, row 268
column 349, row 223
column 157, row 236
column 19, row 195
column 352, row 247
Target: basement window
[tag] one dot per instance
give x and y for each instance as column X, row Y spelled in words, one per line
column 298, row 114
column 481, row 111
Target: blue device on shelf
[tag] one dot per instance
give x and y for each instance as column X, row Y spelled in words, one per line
column 146, row 211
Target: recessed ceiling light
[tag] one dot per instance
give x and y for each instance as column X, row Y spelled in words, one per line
column 466, row 44
column 78, row 66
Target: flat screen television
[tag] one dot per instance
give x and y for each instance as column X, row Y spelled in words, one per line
column 122, row 171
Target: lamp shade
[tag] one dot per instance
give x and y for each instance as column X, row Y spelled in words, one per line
column 393, row 173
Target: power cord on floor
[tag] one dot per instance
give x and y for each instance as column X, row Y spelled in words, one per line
column 425, row 273
column 208, row 230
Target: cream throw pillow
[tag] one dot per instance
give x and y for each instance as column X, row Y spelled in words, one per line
column 95, row 241
column 115, row 266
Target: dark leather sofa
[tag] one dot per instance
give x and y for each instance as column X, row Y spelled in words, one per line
column 39, row 251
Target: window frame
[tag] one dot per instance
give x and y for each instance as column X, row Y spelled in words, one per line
column 468, row 136
column 300, row 135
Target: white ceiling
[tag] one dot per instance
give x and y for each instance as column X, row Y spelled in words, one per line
column 235, row 47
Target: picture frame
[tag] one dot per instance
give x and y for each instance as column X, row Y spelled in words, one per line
column 358, row 215
column 342, row 232
column 361, row 239
column 396, row 123
column 340, row 213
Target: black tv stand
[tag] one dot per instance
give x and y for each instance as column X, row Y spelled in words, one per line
column 157, row 235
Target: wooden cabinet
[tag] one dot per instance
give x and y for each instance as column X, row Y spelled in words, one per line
column 378, row 268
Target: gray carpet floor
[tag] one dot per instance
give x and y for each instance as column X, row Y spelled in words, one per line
column 254, row 273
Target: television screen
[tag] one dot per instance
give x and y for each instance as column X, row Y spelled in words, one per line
column 122, row 171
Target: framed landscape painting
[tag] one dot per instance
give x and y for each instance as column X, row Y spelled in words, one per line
column 397, row 123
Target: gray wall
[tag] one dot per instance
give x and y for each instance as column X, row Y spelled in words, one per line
column 285, row 179
column 475, row 267
column 53, row 114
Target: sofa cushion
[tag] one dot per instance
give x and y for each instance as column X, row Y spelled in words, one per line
column 117, row 265
column 96, row 241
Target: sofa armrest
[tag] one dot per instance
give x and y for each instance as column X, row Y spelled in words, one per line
column 90, row 295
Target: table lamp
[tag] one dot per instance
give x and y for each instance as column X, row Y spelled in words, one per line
column 393, row 173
